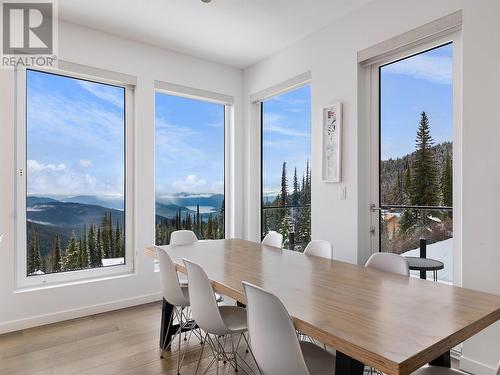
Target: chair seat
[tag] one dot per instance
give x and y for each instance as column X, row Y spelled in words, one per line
column 235, row 318
column 318, row 360
column 437, row 370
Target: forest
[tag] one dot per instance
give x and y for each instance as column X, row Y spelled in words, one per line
column 85, row 250
column 290, row 212
column 422, row 178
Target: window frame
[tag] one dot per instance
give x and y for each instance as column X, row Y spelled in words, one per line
column 23, row 281
column 259, row 106
column 228, row 108
column 372, row 113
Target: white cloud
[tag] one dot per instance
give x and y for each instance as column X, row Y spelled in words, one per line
column 273, row 124
column 436, row 69
column 189, row 184
column 34, row 167
column 85, row 163
column 107, row 93
column 273, row 128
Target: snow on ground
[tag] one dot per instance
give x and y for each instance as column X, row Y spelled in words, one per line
column 442, row 251
column 112, row 261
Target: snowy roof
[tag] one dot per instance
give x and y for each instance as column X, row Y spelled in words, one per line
column 112, row 261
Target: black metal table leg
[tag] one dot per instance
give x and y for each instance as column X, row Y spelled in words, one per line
column 239, row 304
column 443, row 360
column 167, row 312
column 346, row 365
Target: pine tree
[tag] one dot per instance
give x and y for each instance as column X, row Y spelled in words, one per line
column 285, row 228
column 425, row 186
column 84, row 252
column 57, row 257
column 33, row 258
column 72, row 256
column 99, row 251
column 119, row 243
column 94, row 251
column 447, row 182
column 221, row 221
column 284, row 186
column 295, row 195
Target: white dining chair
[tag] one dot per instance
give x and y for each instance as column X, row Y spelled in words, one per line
column 436, row 370
column 319, row 248
column 274, row 342
column 178, row 296
column 389, row 262
column 217, row 321
column 273, row 239
column 183, row 237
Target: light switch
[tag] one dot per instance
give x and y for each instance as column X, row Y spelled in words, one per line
column 342, row 192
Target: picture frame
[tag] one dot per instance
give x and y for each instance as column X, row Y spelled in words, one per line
column 332, row 143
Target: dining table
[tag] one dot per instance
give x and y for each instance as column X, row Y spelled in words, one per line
column 391, row 322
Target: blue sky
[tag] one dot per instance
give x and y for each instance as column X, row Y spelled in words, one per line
column 286, row 136
column 75, row 136
column 189, row 145
column 408, row 87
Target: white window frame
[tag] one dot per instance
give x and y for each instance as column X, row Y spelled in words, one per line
column 371, row 108
column 77, row 71
column 228, row 102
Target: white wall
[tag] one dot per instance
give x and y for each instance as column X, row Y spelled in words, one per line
column 331, row 56
column 147, row 63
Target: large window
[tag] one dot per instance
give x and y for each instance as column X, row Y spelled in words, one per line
column 189, row 167
column 74, row 174
column 416, row 157
column 286, row 173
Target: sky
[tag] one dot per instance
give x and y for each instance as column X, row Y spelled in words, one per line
column 189, row 146
column 408, row 87
column 286, row 136
column 75, row 136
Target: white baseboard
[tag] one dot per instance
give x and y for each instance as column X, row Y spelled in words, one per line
column 16, row 325
column 474, row 367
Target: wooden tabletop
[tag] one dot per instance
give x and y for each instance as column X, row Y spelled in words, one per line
column 391, row 322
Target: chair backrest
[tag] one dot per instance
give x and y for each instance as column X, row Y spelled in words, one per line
column 389, row 262
column 182, row 237
column 272, row 334
column 169, row 280
column 273, row 239
column 204, row 307
column 319, row 248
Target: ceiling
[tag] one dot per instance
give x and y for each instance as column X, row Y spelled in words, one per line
column 232, row 32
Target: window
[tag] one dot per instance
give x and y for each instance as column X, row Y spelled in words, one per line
column 72, row 150
column 189, row 167
column 415, row 182
column 286, row 173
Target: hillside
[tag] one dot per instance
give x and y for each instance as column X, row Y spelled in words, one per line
column 389, row 168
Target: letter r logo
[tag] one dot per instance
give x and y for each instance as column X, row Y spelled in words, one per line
column 27, row 28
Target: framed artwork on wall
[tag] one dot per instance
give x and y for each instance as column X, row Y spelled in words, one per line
column 332, row 143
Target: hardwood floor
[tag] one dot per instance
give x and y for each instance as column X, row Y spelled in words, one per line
column 119, row 342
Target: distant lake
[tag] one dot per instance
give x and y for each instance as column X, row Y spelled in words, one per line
column 203, row 209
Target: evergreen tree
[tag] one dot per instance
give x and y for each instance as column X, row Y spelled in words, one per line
column 284, row 186
column 295, row 194
column 93, row 249
column 119, row 243
column 447, row 182
column 198, row 221
column 425, row 186
column 285, row 228
column 106, row 233
column 221, row 221
column 72, row 256
column 34, row 260
column 84, row 252
column 57, row 257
